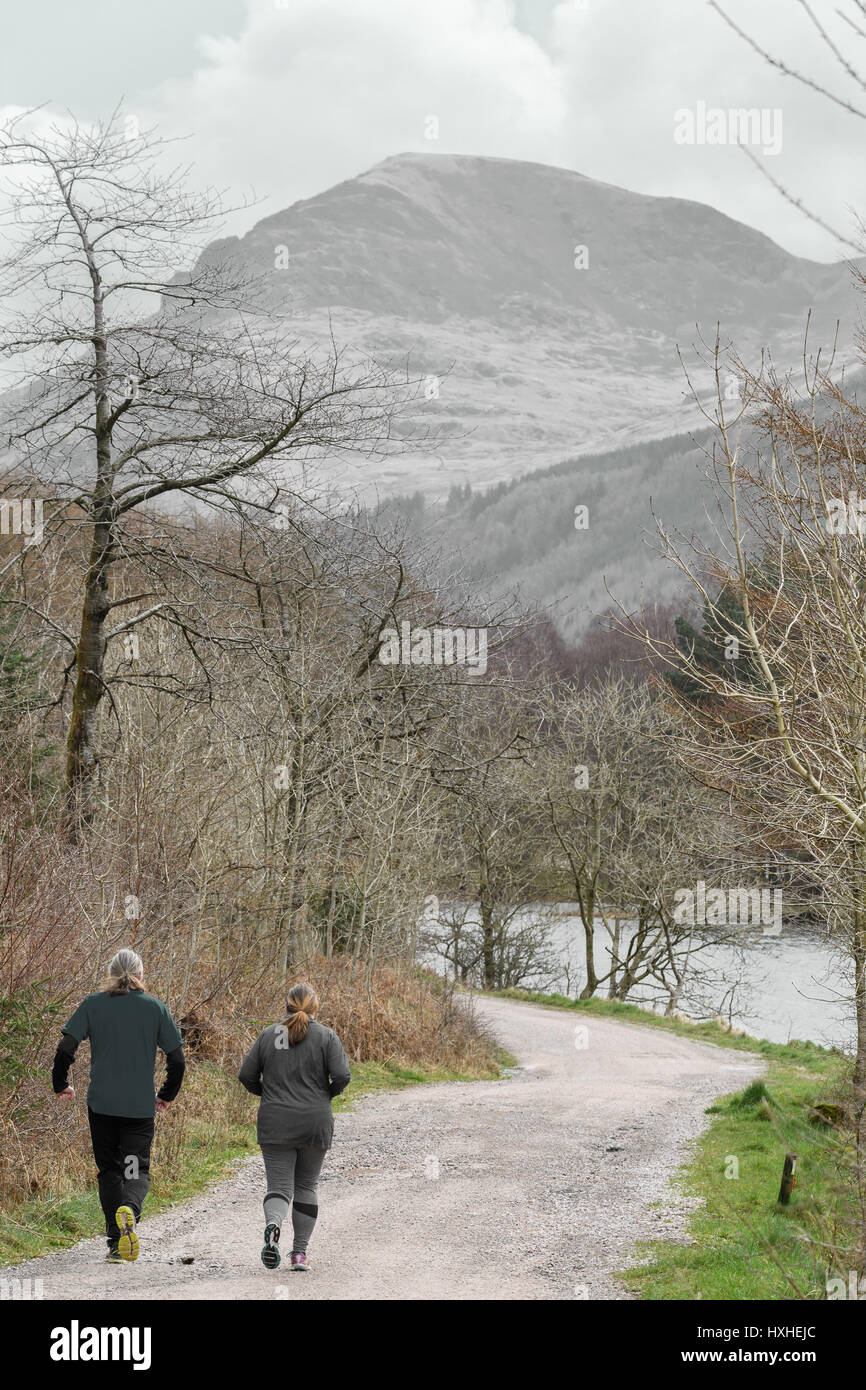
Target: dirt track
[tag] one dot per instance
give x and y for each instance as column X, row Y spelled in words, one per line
column 534, row 1187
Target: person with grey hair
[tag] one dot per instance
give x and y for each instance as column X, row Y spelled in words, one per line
column 125, row 1027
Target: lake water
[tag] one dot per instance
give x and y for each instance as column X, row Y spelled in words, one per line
column 794, row 985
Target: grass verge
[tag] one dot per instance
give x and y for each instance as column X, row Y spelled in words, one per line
column 741, row 1244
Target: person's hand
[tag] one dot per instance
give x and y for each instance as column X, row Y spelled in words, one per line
column 68, row 1094
column 161, row 1104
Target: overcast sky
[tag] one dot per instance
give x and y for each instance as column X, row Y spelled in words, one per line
column 291, row 96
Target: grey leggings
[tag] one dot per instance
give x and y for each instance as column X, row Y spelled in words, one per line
column 292, row 1176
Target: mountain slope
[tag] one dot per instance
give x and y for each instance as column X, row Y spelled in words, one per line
column 520, row 536
column 468, row 265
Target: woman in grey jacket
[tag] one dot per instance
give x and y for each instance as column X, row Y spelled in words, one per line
column 297, row 1067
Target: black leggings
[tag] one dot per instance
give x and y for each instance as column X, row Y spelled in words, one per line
column 121, row 1147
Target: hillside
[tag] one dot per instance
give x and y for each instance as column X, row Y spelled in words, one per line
column 467, row 265
column 521, row 535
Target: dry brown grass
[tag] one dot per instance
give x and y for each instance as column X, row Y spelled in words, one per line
column 392, row 1015
column 396, row 1015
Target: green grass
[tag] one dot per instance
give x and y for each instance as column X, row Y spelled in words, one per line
column 203, row 1151
column 741, row 1244
column 806, row 1053
column 380, row 1076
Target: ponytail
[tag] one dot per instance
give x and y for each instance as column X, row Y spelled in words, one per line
column 302, row 1005
column 125, row 973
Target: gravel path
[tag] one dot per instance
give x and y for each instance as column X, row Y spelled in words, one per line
column 534, row 1187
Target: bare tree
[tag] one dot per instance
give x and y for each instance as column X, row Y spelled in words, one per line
column 852, row 28
column 143, row 381
column 629, row 827
column 780, row 725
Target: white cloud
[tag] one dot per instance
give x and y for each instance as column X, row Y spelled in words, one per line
column 312, row 94
column 317, row 92
column 627, row 68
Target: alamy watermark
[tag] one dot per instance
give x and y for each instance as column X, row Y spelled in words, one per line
column 716, row 125
column 846, row 517
column 77, row 1343
column 434, row 646
column 21, row 1290
column 22, row 516
column 734, row 907
column 854, row 1289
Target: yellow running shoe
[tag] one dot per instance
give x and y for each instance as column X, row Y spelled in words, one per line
column 127, row 1245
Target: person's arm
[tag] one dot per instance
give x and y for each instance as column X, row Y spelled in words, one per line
column 175, row 1066
column 66, row 1050
column 170, row 1041
column 338, row 1066
column 73, row 1032
column 251, row 1069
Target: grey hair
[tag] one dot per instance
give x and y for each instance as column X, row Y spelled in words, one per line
column 125, row 971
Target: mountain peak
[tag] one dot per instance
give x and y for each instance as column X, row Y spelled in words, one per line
column 429, row 236
column 432, row 164
column 548, row 307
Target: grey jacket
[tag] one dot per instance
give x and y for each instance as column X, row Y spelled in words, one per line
column 296, row 1085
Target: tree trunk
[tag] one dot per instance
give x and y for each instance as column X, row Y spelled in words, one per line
column 858, row 955
column 615, row 962
column 81, row 745
column 489, row 941
column 587, row 914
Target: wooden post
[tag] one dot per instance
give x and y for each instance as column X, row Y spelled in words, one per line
column 789, row 1179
